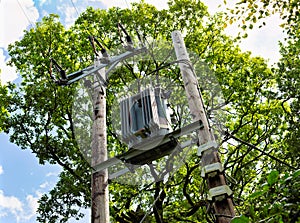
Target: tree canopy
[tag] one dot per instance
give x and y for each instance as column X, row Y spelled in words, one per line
column 251, row 12
column 260, row 112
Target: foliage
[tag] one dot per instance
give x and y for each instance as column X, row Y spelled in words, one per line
column 3, row 105
column 40, row 115
column 276, row 198
column 252, row 12
column 260, row 112
column 287, row 77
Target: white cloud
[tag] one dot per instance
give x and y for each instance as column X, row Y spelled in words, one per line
column 70, row 14
column 52, row 174
column 44, row 185
column 1, row 170
column 260, row 41
column 14, row 19
column 23, row 212
column 32, row 205
column 7, row 73
column 42, row 2
column 264, row 41
column 10, row 203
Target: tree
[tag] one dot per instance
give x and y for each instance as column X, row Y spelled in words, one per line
column 251, row 12
column 4, row 105
column 42, row 114
column 287, row 75
column 267, row 206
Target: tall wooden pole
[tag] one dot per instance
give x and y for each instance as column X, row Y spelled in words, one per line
column 222, row 205
column 100, row 196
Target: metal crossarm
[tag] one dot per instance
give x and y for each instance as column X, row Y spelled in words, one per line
column 127, row 169
column 111, row 63
column 150, row 150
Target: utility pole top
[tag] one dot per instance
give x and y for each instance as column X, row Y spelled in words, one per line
column 191, row 85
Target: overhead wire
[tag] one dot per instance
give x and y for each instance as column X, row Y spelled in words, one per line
column 127, row 3
column 39, row 40
column 28, row 19
column 75, row 8
column 37, row 34
column 78, row 15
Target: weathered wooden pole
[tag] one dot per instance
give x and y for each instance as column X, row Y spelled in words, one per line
column 100, row 196
column 219, row 192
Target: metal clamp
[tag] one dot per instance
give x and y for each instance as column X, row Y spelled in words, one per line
column 211, row 170
column 207, row 146
column 219, row 193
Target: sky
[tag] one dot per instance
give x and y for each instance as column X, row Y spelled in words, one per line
column 22, row 179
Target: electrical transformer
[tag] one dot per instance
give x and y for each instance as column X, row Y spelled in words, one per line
column 145, row 116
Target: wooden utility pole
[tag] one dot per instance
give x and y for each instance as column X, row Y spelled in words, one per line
column 212, row 170
column 100, row 196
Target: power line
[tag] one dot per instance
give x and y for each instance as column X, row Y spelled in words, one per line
column 229, row 135
column 27, row 17
column 127, row 4
column 75, row 7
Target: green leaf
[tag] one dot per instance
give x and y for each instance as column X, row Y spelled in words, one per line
column 272, row 178
column 256, row 194
column 240, row 219
column 296, row 173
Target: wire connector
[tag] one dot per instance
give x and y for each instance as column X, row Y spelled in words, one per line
column 207, row 146
column 129, row 42
column 219, row 193
column 105, row 57
column 211, row 170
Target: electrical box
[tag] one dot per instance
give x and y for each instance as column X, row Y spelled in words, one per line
column 144, row 116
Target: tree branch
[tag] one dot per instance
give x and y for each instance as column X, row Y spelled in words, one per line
column 260, row 150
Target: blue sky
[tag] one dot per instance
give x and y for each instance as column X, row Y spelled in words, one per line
column 22, row 179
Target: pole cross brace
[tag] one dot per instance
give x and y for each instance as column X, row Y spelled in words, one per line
column 207, row 146
column 211, row 170
column 219, row 193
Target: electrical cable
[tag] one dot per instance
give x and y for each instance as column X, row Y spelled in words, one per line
column 37, row 35
column 25, row 14
column 75, row 8
column 260, row 150
column 39, row 40
column 127, row 4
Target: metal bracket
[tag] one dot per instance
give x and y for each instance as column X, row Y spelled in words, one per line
column 211, row 170
column 131, row 168
column 113, row 61
column 147, row 146
column 207, row 146
column 219, row 193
